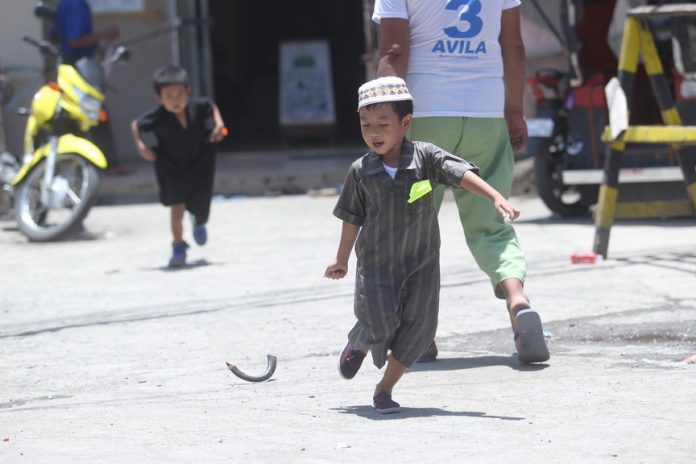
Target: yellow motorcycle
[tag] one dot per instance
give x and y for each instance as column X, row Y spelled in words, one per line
column 57, row 183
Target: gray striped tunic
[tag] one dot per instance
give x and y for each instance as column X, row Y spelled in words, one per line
column 397, row 282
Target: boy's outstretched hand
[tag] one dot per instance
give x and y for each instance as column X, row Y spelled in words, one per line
column 147, row 153
column 507, row 210
column 218, row 133
column 336, row 270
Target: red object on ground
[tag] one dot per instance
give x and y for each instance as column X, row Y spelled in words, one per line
column 589, row 258
column 5, row 439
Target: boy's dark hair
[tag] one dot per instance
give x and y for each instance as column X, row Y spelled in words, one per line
column 401, row 107
column 169, row 75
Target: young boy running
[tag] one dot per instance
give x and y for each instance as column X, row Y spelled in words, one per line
column 185, row 129
column 387, row 210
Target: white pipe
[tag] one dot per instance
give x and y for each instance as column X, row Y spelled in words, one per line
column 173, row 17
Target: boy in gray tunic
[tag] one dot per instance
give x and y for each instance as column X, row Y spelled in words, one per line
column 387, row 210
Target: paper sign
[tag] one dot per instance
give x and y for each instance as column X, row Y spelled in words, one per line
column 306, row 87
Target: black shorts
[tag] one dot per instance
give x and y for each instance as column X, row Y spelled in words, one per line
column 192, row 186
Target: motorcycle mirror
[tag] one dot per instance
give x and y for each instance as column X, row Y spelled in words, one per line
column 120, row 54
column 45, row 11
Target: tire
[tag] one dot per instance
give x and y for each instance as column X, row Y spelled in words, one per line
column 76, row 182
column 563, row 200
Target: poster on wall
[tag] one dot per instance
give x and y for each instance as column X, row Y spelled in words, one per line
column 306, row 87
column 117, row 6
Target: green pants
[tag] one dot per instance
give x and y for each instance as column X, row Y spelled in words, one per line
column 484, row 142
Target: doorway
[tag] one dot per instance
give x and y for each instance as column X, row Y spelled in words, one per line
column 245, row 41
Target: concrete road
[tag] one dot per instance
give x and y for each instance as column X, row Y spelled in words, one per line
column 107, row 356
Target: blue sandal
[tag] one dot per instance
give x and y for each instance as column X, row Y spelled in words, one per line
column 178, row 258
column 200, row 234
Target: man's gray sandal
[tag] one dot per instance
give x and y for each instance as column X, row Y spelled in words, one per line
column 532, row 345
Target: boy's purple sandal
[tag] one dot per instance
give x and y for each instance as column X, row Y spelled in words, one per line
column 384, row 404
column 350, row 361
column 178, row 258
column 532, row 344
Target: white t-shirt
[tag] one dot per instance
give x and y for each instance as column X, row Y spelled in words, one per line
column 455, row 65
column 390, row 170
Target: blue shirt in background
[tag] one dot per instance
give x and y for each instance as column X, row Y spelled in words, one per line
column 73, row 20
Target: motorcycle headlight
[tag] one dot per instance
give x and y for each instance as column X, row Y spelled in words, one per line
column 88, row 104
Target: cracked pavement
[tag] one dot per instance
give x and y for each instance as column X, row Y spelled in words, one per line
column 107, row 356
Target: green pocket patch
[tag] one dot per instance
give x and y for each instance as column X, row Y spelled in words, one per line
column 419, row 189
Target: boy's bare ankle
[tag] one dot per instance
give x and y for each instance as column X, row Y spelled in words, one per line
column 383, row 388
column 515, row 307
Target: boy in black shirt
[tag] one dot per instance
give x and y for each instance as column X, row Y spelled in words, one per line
column 185, row 129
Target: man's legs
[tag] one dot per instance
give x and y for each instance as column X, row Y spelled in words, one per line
column 447, row 134
column 493, row 243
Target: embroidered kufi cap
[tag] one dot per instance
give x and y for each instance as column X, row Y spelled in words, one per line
column 383, row 89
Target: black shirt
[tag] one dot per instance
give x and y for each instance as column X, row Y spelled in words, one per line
column 178, row 147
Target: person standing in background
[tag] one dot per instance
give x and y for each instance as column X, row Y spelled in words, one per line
column 464, row 62
column 74, row 30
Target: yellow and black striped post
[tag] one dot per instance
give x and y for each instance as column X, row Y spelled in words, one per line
column 668, row 110
column 637, row 40
column 609, row 190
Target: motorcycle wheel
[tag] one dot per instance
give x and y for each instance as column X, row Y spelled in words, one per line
column 78, row 180
column 564, row 200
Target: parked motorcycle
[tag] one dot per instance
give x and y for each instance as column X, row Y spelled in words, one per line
column 562, row 139
column 57, row 182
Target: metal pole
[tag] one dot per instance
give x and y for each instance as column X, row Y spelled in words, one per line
column 4, row 80
column 609, row 190
column 568, row 22
column 203, row 29
column 173, row 16
column 549, row 24
column 371, row 55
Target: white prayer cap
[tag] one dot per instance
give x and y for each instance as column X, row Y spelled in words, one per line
column 383, row 89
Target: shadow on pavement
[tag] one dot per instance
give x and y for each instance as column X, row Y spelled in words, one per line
column 79, row 235
column 188, row 266
column 451, row 364
column 406, row 413
column 587, row 220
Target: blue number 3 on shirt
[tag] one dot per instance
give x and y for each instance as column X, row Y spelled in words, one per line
column 468, row 14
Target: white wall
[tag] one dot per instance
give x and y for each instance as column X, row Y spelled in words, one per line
column 17, row 20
